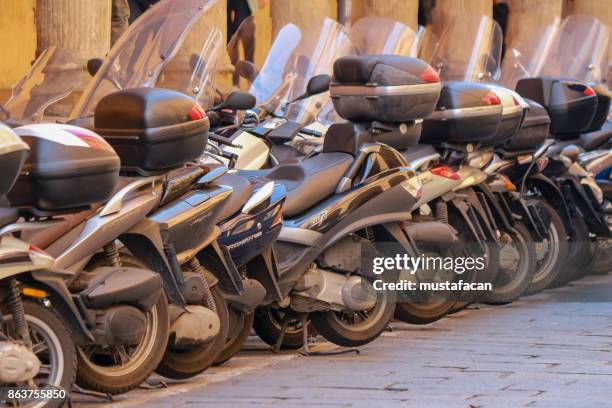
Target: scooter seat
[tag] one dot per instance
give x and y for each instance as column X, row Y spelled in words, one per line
column 307, row 182
column 242, row 190
column 594, row 140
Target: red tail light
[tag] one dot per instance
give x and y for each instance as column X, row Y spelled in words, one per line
column 429, row 75
column 492, row 99
column 446, row 172
column 196, row 113
column 588, row 91
column 36, row 249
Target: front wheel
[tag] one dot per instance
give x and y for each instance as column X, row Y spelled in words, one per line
column 355, row 328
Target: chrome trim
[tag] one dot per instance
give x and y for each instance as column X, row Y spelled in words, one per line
column 263, row 194
column 390, row 90
column 421, row 161
column 115, row 204
column 212, row 175
column 28, row 226
column 543, row 148
column 299, row 236
column 465, row 112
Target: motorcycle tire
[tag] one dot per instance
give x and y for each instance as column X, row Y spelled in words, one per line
column 337, row 327
column 510, row 286
column 233, row 345
column 45, row 325
column 581, row 252
column 550, row 265
column 106, row 376
column 268, row 324
column 182, row 364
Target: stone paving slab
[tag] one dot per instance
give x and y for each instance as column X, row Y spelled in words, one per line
column 549, row 350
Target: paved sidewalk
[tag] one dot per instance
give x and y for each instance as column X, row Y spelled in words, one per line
column 549, row 350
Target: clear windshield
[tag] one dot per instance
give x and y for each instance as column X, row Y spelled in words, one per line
column 55, row 74
column 469, row 49
column 142, row 53
column 535, row 42
column 316, row 53
column 426, row 45
column 580, row 50
column 379, row 35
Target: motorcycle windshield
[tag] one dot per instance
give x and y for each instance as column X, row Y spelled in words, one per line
column 149, row 45
column 316, row 53
column 580, row 50
column 271, row 83
column 379, row 35
column 55, row 74
column 535, row 43
column 469, row 50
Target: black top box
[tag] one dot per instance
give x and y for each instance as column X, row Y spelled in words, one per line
column 571, row 105
column 68, row 168
column 384, row 88
column 533, row 131
column 466, row 112
column 13, row 152
column 153, row 130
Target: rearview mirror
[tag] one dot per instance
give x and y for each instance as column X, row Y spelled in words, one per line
column 93, row 65
column 318, row 84
column 238, row 100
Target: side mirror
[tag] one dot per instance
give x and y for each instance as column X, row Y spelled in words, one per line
column 318, row 84
column 238, row 100
column 93, row 65
column 246, row 69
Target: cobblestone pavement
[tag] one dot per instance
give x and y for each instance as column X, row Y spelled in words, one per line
column 549, row 350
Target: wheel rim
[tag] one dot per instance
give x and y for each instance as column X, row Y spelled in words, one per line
column 116, row 361
column 547, row 253
column 513, row 265
column 363, row 319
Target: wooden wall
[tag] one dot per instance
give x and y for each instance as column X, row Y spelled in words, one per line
column 405, row 11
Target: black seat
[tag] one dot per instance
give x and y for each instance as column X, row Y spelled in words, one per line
column 241, row 194
column 307, row 182
column 594, row 140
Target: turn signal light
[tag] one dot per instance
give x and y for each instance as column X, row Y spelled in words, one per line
column 446, row 172
column 35, row 293
column 429, row 75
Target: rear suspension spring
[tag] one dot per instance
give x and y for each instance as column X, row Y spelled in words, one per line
column 16, row 305
column 111, row 254
column 442, row 211
column 196, row 267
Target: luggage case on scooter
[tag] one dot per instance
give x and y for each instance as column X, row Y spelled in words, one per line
column 384, row 88
column 514, row 110
column 533, row 131
column 152, row 130
column 68, row 168
column 571, row 105
column 13, row 152
column 466, row 112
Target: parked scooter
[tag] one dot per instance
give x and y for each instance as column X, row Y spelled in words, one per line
column 36, row 347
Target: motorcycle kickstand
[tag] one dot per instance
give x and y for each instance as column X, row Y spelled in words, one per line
column 305, row 351
column 77, row 389
column 279, row 342
column 158, row 385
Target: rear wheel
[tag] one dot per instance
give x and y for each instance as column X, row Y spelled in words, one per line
column 355, row 328
column 517, row 266
column 580, row 253
column 52, row 344
column 119, row 369
column 269, row 322
column 551, row 252
column 233, row 345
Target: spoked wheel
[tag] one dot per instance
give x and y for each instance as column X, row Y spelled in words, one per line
column 551, row 252
column 269, row 322
column 119, row 369
column 52, row 344
column 233, row 344
column 517, row 266
column 355, row 328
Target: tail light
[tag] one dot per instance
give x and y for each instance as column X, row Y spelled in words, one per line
column 196, row 113
column 446, row 172
column 429, row 75
column 542, row 162
column 491, row 98
column 39, row 251
column 588, row 91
